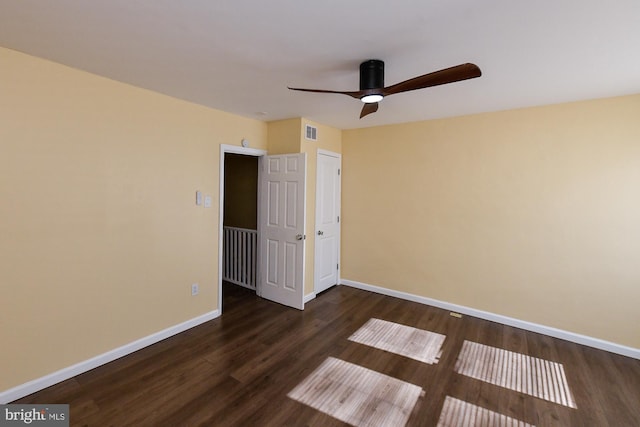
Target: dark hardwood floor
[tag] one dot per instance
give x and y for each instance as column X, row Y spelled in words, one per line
column 238, row 369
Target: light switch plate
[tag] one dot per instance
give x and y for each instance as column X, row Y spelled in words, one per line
column 198, row 198
column 207, row 201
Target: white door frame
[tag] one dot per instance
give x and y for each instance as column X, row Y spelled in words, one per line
column 315, row 251
column 225, row 148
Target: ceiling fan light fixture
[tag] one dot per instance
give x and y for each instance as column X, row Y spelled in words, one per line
column 372, row 88
column 370, row 99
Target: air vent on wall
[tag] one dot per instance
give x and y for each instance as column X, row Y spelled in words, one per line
column 311, row 132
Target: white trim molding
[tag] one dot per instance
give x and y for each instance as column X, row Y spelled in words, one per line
column 256, row 152
column 226, row 148
column 330, row 153
column 309, row 297
column 102, row 359
column 505, row 320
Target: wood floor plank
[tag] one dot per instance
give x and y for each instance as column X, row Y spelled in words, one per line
column 549, row 413
column 237, row 370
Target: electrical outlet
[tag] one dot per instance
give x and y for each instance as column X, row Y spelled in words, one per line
column 194, row 289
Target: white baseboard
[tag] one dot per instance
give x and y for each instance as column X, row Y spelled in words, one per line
column 309, row 297
column 510, row 321
column 71, row 371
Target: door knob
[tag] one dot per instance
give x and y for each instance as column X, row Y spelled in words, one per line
column 300, row 237
column 320, row 233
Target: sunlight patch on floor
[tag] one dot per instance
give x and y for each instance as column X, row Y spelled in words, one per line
column 458, row 413
column 407, row 341
column 536, row 377
column 357, row 395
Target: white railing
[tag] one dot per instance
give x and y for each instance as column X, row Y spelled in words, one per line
column 239, row 256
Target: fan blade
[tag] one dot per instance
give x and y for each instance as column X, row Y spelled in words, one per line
column 448, row 75
column 368, row 109
column 354, row 94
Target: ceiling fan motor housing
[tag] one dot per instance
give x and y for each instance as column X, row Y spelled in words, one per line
column 372, row 74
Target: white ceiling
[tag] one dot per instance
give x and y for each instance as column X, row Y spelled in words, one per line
column 240, row 56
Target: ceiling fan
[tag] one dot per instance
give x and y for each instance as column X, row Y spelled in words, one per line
column 372, row 89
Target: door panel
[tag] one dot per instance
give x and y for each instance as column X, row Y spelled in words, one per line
column 327, row 222
column 274, row 203
column 290, row 266
column 281, row 229
column 291, row 205
column 272, row 262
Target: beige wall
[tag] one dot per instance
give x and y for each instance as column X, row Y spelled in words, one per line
column 100, row 237
column 532, row 213
column 284, row 136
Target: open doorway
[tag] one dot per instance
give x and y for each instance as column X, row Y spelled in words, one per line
column 239, row 218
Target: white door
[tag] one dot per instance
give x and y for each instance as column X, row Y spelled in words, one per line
column 281, row 220
column 327, row 247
